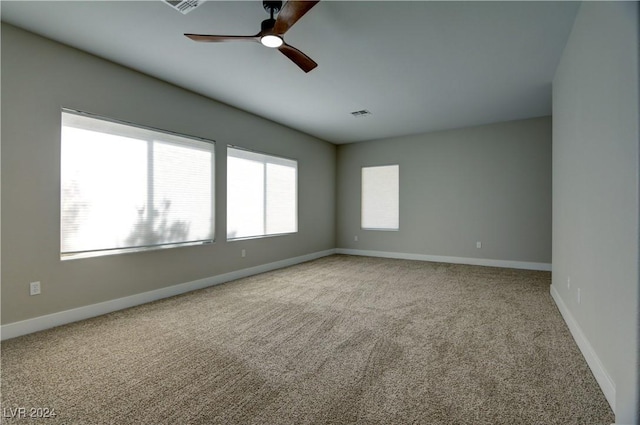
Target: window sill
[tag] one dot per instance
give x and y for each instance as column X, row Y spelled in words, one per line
column 104, row 253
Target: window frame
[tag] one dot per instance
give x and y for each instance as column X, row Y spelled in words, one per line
column 72, row 255
column 296, row 194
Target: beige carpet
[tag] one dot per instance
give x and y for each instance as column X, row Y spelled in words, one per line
column 338, row 340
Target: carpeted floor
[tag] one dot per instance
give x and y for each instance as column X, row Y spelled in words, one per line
column 339, row 340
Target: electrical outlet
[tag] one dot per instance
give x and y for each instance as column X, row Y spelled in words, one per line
column 579, row 298
column 568, row 282
column 355, row 238
column 34, row 288
column 243, row 253
column 478, row 244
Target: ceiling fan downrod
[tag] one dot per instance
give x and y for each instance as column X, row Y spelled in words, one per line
column 272, row 8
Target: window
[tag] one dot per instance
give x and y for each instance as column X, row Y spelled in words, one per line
column 262, row 194
column 380, row 197
column 126, row 188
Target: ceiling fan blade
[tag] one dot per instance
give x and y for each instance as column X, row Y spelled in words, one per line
column 221, row 38
column 303, row 61
column 291, row 13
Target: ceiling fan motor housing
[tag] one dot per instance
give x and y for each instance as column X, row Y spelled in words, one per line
column 267, row 25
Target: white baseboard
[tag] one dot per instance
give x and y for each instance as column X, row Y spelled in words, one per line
column 443, row 259
column 12, row 330
column 602, row 377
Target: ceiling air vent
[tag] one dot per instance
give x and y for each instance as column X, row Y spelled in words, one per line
column 362, row 113
column 184, row 6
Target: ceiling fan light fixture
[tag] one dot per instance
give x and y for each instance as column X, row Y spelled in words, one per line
column 271, row 41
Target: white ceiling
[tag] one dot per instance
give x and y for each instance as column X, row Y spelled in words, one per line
column 418, row 66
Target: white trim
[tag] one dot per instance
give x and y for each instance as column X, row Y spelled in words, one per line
column 443, row 259
column 12, row 330
column 597, row 368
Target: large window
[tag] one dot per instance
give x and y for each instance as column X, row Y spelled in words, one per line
column 380, row 197
column 261, row 194
column 126, row 188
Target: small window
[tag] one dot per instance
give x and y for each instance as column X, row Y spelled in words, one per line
column 262, row 194
column 125, row 188
column 380, row 197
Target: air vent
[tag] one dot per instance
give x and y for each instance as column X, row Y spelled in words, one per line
column 184, row 6
column 361, row 113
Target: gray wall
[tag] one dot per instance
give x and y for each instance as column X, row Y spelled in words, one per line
column 595, row 188
column 490, row 184
column 38, row 78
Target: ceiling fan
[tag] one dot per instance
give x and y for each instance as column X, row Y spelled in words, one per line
column 273, row 30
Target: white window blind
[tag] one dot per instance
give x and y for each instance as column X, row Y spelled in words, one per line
column 126, row 188
column 380, row 197
column 262, row 196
